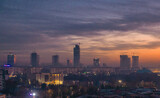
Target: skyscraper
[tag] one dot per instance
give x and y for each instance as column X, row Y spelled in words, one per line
column 11, row 59
column 96, row 62
column 76, row 55
column 125, row 61
column 34, row 59
column 55, row 60
column 135, row 61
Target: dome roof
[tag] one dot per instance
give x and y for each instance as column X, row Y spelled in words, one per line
column 144, row 70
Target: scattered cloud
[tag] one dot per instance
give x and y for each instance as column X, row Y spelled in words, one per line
column 49, row 25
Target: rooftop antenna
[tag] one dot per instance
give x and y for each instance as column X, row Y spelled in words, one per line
column 78, row 44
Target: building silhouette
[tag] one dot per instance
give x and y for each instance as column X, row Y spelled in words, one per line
column 55, row 60
column 135, row 61
column 69, row 62
column 125, row 61
column 96, row 62
column 34, row 59
column 3, row 77
column 11, row 59
column 104, row 65
column 76, row 55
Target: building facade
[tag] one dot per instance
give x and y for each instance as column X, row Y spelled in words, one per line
column 48, row 78
column 76, row 55
column 11, row 59
column 55, row 60
column 125, row 61
column 135, row 61
column 2, row 79
column 34, row 59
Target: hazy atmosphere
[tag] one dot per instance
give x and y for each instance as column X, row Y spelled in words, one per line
column 104, row 29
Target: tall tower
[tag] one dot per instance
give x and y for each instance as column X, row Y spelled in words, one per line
column 55, row 60
column 125, row 61
column 135, row 61
column 34, row 59
column 76, row 55
column 11, row 59
column 96, row 62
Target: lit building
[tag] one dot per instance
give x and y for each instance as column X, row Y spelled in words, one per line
column 76, row 55
column 125, row 61
column 55, row 60
column 11, row 59
column 34, row 59
column 69, row 63
column 135, row 61
column 96, row 62
column 12, row 71
column 15, row 70
column 48, row 78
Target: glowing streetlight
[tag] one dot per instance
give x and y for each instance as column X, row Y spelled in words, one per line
column 119, row 81
column 33, row 94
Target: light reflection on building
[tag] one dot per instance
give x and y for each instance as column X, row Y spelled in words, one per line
column 48, row 78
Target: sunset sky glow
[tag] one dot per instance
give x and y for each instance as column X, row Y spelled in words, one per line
column 105, row 29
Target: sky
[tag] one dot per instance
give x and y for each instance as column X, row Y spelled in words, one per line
column 105, row 28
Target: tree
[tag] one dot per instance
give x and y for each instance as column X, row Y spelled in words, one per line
column 43, row 86
column 10, row 86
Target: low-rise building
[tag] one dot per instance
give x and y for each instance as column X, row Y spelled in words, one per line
column 48, row 78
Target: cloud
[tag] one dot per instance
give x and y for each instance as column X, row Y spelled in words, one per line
column 82, row 18
column 121, row 46
column 54, row 24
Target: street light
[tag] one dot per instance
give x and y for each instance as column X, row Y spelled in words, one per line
column 119, row 81
column 33, row 94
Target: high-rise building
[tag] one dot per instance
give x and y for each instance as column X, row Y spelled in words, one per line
column 11, row 59
column 34, row 59
column 96, row 62
column 76, row 55
column 135, row 61
column 55, row 60
column 125, row 61
column 3, row 75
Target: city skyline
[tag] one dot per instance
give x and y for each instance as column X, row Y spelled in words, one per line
column 63, row 61
column 80, row 48
column 125, row 60
column 105, row 29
